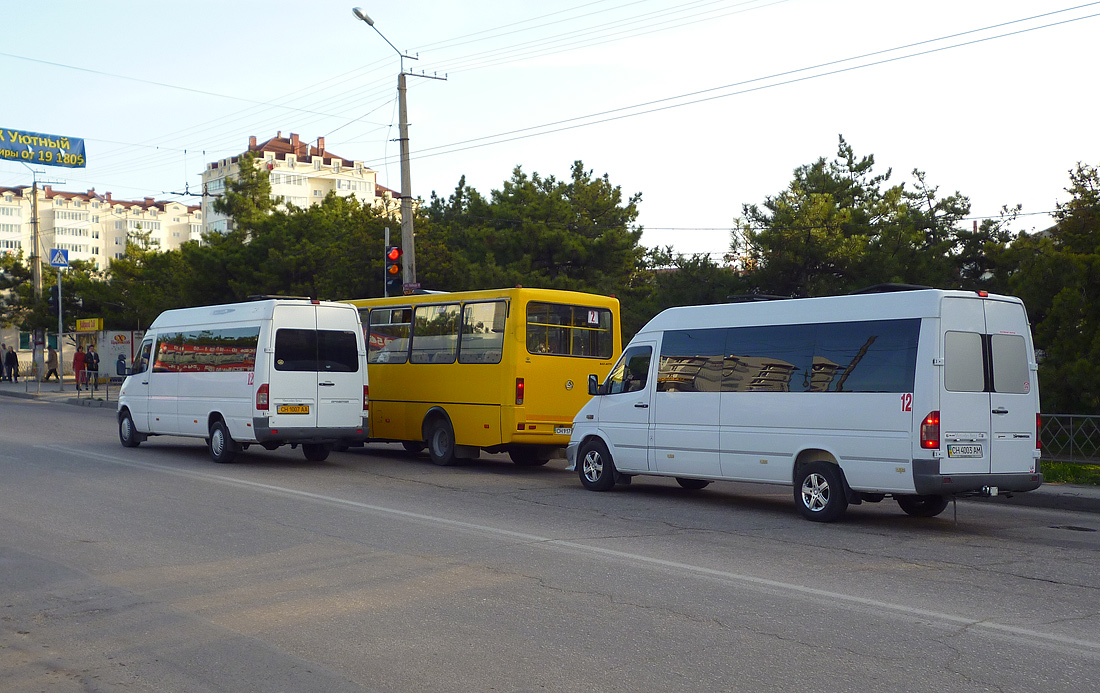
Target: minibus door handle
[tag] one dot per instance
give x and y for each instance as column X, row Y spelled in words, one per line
column 641, row 405
column 327, row 384
column 1000, row 410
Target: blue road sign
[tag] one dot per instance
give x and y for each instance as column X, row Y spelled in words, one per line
column 59, row 257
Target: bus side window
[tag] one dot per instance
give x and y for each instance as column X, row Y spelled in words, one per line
column 142, row 360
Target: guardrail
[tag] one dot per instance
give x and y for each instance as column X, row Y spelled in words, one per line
column 1071, row 438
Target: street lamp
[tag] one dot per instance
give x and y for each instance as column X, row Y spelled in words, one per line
column 408, row 267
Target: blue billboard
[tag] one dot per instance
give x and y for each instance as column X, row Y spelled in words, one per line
column 44, row 150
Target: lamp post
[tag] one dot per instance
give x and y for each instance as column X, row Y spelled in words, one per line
column 408, row 257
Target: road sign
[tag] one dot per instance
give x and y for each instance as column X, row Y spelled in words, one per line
column 59, row 257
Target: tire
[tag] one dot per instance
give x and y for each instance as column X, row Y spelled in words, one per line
column 223, row 449
column 441, row 442
column 413, row 447
column 819, row 492
column 692, row 484
column 527, row 457
column 922, row 506
column 315, row 452
column 127, row 434
column 595, row 466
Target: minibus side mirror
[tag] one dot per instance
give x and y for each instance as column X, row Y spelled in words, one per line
column 593, row 385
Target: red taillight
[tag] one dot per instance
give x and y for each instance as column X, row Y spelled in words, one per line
column 1038, row 431
column 366, row 398
column 519, row 390
column 261, row 397
column 930, row 431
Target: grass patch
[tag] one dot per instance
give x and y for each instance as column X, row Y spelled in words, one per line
column 1067, row 473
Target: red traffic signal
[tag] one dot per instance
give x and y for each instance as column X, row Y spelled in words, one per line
column 393, row 270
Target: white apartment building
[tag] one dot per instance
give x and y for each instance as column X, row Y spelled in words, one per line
column 89, row 225
column 300, row 173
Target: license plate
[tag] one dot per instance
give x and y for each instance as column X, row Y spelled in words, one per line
column 563, row 430
column 293, row 409
column 964, row 450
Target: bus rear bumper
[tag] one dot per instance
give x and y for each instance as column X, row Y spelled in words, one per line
column 928, row 481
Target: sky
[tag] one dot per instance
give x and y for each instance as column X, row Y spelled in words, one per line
column 700, row 106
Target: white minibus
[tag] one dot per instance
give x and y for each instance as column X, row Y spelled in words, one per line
column 274, row 371
column 919, row 395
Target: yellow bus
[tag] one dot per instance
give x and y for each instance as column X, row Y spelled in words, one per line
column 500, row 370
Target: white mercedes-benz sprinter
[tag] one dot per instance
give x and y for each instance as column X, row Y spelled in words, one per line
column 918, row 395
column 272, row 372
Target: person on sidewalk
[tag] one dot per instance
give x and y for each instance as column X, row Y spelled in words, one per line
column 78, row 366
column 51, row 364
column 11, row 365
column 4, row 375
column 91, row 364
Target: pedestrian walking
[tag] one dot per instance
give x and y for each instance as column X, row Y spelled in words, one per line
column 4, row 374
column 11, row 364
column 78, row 366
column 51, row 364
column 91, row 364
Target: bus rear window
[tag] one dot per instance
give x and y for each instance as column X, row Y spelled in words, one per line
column 567, row 330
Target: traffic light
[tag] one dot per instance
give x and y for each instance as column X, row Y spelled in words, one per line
column 394, row 283
column 53, row 299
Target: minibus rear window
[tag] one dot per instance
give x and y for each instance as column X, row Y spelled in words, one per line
column 1010, row 371
column 322, row 351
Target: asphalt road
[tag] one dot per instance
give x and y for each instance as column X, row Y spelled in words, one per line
column 153, row 569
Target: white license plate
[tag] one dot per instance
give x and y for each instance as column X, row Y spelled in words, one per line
column 964, row 450
column 563, row 430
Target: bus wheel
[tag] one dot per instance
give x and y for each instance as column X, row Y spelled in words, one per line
column 527, row 457
column 127, row 434
column 315, row 452
column 413, row 448
column 596, row 469
column 441, row 442
column 922, row 506
column 819, row 492
column 223, row 448
column 692, row 484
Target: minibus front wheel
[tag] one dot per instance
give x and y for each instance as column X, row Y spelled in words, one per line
column 595, row 466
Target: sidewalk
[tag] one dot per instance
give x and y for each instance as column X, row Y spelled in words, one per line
column 52, row 392
column 1053, row 496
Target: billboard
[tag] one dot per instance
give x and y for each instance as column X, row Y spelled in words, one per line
column 44, row 150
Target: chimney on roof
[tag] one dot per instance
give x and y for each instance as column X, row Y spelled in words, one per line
column 149, row 201
column 279, row 135
column 252, row 142
column 294, row 146
column 108, row 196
column 47, row 190
column 321, row 145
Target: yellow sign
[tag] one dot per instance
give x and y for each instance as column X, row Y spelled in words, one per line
column 89, row 324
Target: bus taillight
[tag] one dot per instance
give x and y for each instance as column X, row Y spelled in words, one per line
column 519, row 390
column 1038, row 431
column 930, row 431
column 262, row 397
column 366, row 398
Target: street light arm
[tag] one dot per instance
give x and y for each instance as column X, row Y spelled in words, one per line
column 358, row 12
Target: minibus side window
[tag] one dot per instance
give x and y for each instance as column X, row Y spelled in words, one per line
column 963, row 362
column 142, row 360
column 631, row 372
column 691, row 361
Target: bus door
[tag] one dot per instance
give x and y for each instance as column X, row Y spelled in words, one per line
column 293, row 372
column 625, row 410
column 1014, row 400
column 964, row 402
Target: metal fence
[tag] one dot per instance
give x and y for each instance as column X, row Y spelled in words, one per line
column 1071, row 438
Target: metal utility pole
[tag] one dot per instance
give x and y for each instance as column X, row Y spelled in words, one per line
column 408, row 257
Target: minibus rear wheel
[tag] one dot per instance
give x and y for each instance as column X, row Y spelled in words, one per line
column 922, row 506
column 441, row 441
column 819, row 491
column 595, row 466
